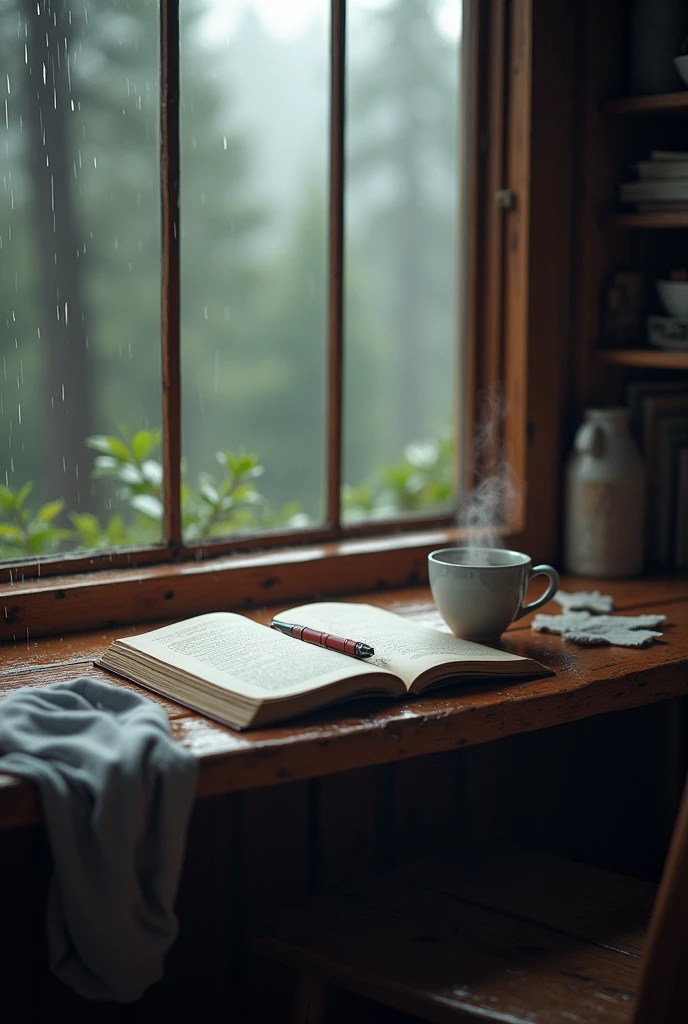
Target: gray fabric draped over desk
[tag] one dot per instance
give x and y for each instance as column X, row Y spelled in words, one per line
column 117, row 794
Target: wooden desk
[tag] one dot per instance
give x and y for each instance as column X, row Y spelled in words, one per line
column 587, row 681
column 321, row 803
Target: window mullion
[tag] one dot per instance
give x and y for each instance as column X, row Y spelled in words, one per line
column 169, row 182
column 336, row 259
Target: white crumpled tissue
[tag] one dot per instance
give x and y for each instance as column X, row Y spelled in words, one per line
column 585, row 601
column 581, row 627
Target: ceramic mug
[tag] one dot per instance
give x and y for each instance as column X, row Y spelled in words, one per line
column 480, row 591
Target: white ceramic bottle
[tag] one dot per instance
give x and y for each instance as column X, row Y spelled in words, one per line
column 605, row 498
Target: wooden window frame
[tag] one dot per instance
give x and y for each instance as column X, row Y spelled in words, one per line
column 172, row 579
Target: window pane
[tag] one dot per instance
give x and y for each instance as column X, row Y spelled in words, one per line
column 254, row 174
column 79, row 275
column 401, row 412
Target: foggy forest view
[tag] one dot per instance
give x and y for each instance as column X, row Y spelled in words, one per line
column 80, row 381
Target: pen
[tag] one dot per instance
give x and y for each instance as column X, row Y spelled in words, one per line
column 315, row 636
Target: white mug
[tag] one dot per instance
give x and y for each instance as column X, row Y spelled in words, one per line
column 480, row 591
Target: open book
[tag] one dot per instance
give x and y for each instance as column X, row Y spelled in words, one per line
column 245, row 674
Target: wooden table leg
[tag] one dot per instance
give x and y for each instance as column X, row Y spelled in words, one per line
column 310, row 996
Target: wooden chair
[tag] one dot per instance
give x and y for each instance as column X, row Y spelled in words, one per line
column 497, row 934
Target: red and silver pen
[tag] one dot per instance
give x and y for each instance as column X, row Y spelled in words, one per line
column 315, row 636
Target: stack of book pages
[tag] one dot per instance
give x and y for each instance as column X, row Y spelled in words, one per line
column 661, row 183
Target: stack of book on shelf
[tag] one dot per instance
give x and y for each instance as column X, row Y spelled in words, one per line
column 659, row 420
column 661, row 183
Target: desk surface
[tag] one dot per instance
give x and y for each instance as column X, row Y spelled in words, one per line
column 587, row 681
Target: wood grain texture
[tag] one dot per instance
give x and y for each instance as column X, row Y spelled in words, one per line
column 43, row 607
column 539, row 290
column 426, row 797
column 602, row 147
column 471, row 230
column 667, row 102
column 662, row 993
column 201, row 969
column 648, row 357
column 415, row 602
column 542, row 940
column 354, row 825
column 310, row 1000
column 645, row 221
column 587, row 681
column 489, row 353
column 594, row 906
column 276, row 867
column 275, row 846
column 516, row 311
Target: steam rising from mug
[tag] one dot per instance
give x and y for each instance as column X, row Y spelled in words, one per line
column 487, row 507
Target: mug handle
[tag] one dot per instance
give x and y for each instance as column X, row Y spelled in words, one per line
column 553, row 575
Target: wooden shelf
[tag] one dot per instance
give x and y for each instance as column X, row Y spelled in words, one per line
column 636, row 221
column 660, row 359
column 665, row 103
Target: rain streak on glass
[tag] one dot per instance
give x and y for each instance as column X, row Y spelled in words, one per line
column 254, row 186
column 79, row 276
column 80, row 260
column 402, row 375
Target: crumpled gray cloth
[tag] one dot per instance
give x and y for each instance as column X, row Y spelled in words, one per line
column 596, row 630
column 585, row 601
column 117, row 793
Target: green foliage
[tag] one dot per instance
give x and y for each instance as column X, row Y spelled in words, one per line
column 91, row 535
column 23, row 532
column 423, row 479
column 129, row 463
column 227, row 503
column 220, row 505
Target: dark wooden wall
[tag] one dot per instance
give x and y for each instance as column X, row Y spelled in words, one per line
column 603, row 790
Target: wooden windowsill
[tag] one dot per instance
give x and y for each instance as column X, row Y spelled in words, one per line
column 58, row 605
column 587, row 681
column 242, row 581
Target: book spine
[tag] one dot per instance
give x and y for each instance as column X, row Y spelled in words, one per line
column 681, row 538
column 638, row 191
column 662, row 206
column 668, row 156
column 649, row 170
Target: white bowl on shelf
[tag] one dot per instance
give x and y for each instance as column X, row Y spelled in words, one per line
column 674, row 297
column 681, row 65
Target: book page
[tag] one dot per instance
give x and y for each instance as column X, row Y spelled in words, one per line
column 240, row 655
column 401, row 646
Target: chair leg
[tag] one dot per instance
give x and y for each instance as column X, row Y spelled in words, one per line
column 310, row 996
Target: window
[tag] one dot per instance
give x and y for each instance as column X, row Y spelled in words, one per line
column 313, row 383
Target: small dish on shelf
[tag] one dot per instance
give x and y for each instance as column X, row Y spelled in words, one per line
column 668, row 332
column 674, row 297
